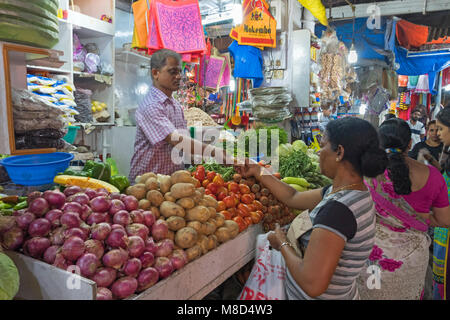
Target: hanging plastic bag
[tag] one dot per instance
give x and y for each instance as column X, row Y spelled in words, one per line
column 268, row 277
column 317, row 9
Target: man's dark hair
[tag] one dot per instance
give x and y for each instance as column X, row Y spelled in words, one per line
column 432, row 122
column 389, row 116
column 159, row 58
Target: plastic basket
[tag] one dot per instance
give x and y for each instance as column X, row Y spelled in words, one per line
column 36, row 169
column 71, row 134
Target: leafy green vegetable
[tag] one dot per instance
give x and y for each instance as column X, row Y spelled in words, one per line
column 300, row 145
column 9, row 278
column 226, row 172
column 254, row 134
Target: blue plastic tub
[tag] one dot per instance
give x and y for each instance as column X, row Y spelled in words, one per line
column 36, row 169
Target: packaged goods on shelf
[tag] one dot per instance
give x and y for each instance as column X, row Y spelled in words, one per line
column 195, row 115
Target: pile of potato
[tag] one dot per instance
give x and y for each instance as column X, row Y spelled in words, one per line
column 193, row 221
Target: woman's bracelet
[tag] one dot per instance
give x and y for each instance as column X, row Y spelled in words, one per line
column 286, row 243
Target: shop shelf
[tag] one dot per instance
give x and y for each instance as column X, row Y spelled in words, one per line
column 89, row 27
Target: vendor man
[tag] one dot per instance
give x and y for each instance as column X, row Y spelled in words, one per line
column 160, row 121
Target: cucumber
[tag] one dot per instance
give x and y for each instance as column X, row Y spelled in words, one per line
column 299, row 181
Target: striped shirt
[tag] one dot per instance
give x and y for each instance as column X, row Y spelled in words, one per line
column 357, row 248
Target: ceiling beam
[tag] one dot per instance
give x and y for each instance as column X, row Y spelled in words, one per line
column 389, row 8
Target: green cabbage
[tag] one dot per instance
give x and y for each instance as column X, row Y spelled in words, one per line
column 300, row 145
column 9, row 278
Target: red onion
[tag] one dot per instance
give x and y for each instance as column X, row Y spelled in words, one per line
column 39, row 207
column 136, row 246
column 57, row 236
column 178, row 258
column 124, row 287
column 33, row 195
column 23, row 221
column 70, row 191
column 147, row 278
column 122, row 217
column 97, row 217
column 115, row 258
column 104, row 294
column 13, row 238
column 115, row 195
column 85, row 228
column 147, row 259
column 88, row 264
column 20, row 212
column 132, row 267
column 54, row 217
column 137, row 216
column 149, row 218
column 117, row 238
column 73, row 248
column 104, row 277
column 80, row 197
column 70, row 220
column 86, row 211
column 75, row 232
column 61, row 262
column 164, row 267
column 150, row 246
column 39, row 228
column 100, row 204
column 35, row 247
column 100, row 231
column 160, row 230
column 164, row 248
column 72, row 207
column 117, row 226
column 55, row 199
column 50, row 254
column 91, row 193
column 102, row 190
column 116, row 206
column 137, row 229
column 95, row 247
column 131, row 203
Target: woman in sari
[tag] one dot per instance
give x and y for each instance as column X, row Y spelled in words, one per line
column 403, row 197
column 441, row 267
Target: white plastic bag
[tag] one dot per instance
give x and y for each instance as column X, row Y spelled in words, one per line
column 268, row 277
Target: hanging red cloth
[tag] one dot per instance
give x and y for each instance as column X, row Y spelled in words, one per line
column 404, row 114
column 446, row 77
column 415, row 100
column 410, row 35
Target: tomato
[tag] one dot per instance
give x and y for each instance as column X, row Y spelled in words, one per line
column 221, row 206
column 277, row 175
column 212, row 187
column 229, row 201
column 258, row 205
column 221, row 196
column 243, row 207
column 244, row 189
column 208, row 192
column 226, row 184
column 255, row 217
column 251, row 207
column 222, row 190
column 233, row 212
column 233, row 187
column 241, row 223
column 218, row 180
column 253, row 196
column 200, row 174
column 210, row 175
column 227, row 215
column 246, row 198
column 248, row 220
column 205, row 183
column 260, row 213
column 212, row 195
column 198, row 184
column 243, row 213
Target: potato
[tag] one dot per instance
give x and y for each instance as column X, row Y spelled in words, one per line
column 138, row 191
column 186, row 237
column 165, row 183
column 198, row 213
column 152, row 184
column 212, row 242
column 209, row 227
column 197, row 196
column 144, row 204
column 182, row 190
column 201, row 190
column 156, row 212
column 176, row 223
column 203, row 243
column 169, row 209
column 222, row 234
column 194, row 253
column 181, row 176
column 196, row 225
column 155, row 197
column 168, row 197
column 210, row 201
column 144, row 177
column 212, row 212
column 231, row 225
column 171, row 235
column 187, row 203
column 234, row 234
column 220, row 220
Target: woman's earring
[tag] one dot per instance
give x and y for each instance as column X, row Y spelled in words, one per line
column 337, row 159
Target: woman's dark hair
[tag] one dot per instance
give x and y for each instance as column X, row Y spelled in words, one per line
column 361, row 145
column 389, row 116
column 396, row 134
column 431, row 123
column 444, row 117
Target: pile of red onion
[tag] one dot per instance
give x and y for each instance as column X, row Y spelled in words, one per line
column 105, row 236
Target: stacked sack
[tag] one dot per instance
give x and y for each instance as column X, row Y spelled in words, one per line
column 271, row 104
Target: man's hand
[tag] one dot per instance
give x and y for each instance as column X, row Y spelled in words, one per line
column 249, row 168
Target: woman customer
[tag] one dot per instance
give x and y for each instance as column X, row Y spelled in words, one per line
column 403, row 196
column 441, row 267
column 430, row 150
column 342, row 215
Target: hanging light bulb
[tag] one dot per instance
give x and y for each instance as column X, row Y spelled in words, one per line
column 352, row 55
column 237, row 12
